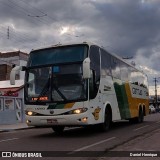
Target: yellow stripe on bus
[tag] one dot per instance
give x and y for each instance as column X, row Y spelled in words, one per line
column 134, row 103
column 69, row 105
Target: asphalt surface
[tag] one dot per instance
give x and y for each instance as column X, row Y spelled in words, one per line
column 82, row 143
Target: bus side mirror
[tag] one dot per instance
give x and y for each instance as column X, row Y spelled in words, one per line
column 86, row 68
column 15, row 71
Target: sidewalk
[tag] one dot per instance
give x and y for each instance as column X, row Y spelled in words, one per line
column 140, row 148
column 11, row 127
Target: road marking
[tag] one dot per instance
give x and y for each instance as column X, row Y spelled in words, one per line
column 94, row 144
column 141, row 127
column 4, row 140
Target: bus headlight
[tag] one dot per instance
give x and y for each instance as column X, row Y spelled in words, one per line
column 30, row 113
column 77, row 111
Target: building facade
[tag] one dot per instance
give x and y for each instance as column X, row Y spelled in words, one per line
column 11, row 97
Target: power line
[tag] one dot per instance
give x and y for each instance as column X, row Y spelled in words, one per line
column 28, row 4
column 30, row 12
column 37, row 16
column 23, row 10
column 18, row 38
column 18, row 9
column 40, row 16
column 43, row 13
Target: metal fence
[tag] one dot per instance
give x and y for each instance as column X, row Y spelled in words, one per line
column 11, row 110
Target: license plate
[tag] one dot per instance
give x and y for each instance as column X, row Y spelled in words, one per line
column 52, row 121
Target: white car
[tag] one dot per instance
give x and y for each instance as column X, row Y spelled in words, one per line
column 152, row 109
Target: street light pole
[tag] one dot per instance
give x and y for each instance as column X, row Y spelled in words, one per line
column 155, row 82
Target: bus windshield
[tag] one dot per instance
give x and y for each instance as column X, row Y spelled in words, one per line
column 55, row 55
column 54, row 79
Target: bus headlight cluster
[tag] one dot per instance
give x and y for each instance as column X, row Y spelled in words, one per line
column 78, row 111
column 30, row 113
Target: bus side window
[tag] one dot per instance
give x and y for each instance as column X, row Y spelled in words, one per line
column 93, row 86
column 105, row 63
column 115, row 68
column 124, row 72
column 95, row 67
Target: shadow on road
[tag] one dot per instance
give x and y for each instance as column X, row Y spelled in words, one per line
column 89, row 131
column 79, row 132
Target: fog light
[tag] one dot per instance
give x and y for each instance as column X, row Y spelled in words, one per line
column 84, row 119
column 28, row 121
column 30, row 113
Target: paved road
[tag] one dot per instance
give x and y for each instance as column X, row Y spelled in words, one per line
column 78, row 139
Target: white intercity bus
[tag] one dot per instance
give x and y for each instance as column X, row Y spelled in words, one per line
column 81, row 85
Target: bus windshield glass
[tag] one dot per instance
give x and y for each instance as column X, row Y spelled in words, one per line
column 58, row 78
column 55, row 55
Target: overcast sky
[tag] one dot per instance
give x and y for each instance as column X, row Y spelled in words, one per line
column 129, row 28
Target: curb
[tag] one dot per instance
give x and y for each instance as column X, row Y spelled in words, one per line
column 10, row 130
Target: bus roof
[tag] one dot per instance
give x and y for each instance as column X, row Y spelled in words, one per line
column 65, row 44
column 89, row 44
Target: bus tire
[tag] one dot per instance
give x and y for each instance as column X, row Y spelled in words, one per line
column 107, row 121
column 58, row 129
column 140, row 117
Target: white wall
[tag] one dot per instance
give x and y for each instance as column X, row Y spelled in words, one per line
column 22, row 73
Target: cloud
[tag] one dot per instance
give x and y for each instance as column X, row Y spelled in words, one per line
column 128, row 28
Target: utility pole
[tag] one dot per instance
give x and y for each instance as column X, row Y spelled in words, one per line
column 8, row 32
column 155, row 82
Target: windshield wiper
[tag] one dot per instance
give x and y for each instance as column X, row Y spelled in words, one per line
column 59, row 92
column 44, row 90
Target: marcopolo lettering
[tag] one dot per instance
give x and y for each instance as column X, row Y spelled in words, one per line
column 136, row 91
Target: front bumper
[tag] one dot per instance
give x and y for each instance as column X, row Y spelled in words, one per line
column 65, row 120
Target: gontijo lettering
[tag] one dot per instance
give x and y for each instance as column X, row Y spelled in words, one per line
column 137, row 91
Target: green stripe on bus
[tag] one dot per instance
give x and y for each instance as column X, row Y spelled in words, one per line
column 61, row 106
column 56, row 106
column 122, row 100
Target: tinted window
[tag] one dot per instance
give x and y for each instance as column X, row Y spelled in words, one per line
column 136, row 77
column 58, row 55
column 95, row 67
column 115, row 68
column 105, row 63
column 95, row 61
column 124, row 71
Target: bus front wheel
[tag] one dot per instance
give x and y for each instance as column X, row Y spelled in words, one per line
column 107, row 121
column 58, row 129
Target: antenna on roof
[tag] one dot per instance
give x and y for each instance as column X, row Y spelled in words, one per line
column 127, row 57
